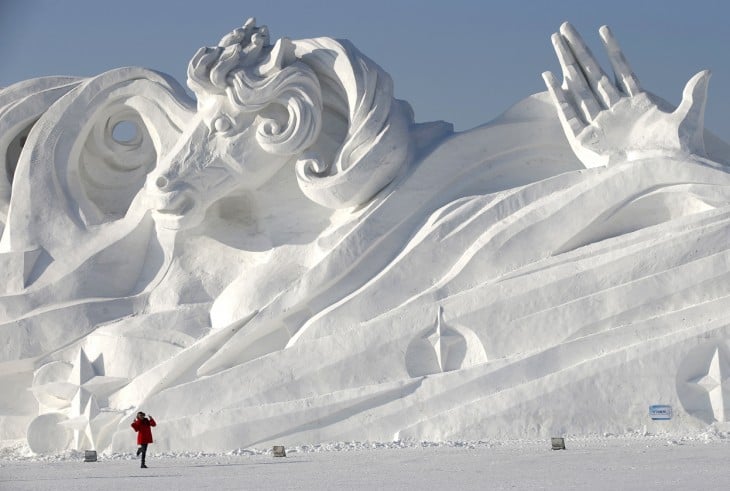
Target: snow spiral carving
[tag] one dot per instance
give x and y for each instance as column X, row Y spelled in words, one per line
column 320, row 82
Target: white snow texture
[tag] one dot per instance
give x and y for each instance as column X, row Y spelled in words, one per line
column 289, row 257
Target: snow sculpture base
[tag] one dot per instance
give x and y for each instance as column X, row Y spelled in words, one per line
column 290, row 258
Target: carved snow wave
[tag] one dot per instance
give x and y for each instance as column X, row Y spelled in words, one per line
column 489, row 286
column 516, row 344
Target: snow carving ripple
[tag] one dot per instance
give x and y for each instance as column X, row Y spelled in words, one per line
column 289, row 258
column 703, row 382
column 444, row 348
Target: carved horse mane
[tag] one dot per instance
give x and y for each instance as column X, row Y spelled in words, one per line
column 349, row 135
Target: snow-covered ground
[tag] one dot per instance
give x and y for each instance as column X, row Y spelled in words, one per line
column 633, row 461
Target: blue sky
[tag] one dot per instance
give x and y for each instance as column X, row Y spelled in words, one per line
column 458, row 60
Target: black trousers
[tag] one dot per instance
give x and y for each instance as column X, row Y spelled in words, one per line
column 142, row 450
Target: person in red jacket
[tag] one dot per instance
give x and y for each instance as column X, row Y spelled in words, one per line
column 143, row 427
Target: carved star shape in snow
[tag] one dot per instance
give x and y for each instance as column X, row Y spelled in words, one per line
column 716, row 381
column 82, row 424
column 84, row 411
column 84, row 376
column 443, row 341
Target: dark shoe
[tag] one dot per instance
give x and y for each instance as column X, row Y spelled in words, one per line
column 143, row 466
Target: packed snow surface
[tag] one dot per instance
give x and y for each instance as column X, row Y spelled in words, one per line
column 627, row 462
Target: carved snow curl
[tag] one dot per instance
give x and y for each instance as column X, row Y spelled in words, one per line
column 320, row 82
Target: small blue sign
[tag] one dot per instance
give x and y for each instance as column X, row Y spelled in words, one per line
column 660, row 412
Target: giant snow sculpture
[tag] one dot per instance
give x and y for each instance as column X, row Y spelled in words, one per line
column 289, row 257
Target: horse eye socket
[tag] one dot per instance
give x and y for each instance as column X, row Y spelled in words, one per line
column 222, row 124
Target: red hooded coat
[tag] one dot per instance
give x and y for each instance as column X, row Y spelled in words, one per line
column 143, row 428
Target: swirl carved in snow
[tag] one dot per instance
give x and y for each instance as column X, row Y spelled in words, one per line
column 317, row 102
column 264, row 262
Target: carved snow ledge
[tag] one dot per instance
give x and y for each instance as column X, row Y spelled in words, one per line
column 22, row 268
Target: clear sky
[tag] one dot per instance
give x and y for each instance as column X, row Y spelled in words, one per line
column 463, row 61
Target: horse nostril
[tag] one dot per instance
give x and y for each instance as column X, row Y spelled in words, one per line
column 161, row 182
